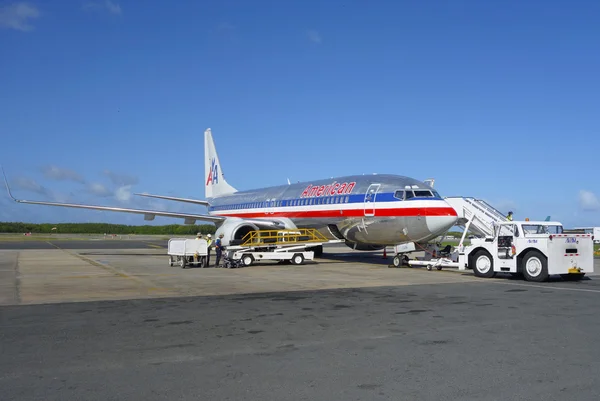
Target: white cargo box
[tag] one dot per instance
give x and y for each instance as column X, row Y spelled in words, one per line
column 185, row 251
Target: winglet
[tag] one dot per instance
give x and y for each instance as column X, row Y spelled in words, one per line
column 6, row 183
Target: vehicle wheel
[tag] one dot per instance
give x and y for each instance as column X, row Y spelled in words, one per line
column 298, row 259
column 573, row 276
column 397, row 261
column 247, row 260
column 182, row 262
column 483, row 265
column 535, row 266
column 170, row 261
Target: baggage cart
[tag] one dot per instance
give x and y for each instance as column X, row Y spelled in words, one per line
column 183, row 252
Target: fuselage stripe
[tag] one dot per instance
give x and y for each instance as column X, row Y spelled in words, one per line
column 377, row 212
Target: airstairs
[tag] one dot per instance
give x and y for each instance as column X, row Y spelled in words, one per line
column 475, row 215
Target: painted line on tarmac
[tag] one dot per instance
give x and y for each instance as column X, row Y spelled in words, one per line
column 148, row 285
column 547, row 287
column 154, row 245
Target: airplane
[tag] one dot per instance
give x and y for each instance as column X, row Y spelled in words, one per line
column 366, row 212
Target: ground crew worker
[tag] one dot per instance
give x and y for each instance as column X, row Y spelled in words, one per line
column 219, row 249
column 198, row 237
column 509, row 217
column 208, row 246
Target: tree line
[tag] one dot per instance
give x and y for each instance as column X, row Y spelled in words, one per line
column 104, row 228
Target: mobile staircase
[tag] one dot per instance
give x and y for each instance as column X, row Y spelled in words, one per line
column 474, row 215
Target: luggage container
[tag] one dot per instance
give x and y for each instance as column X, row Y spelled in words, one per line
column 183, row 252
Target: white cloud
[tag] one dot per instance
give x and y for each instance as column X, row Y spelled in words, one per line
column 29, row 184
column 106, row 5
column 314, row 36
column 123, row 193
column 588, row 201
column 112, row 7
column 121, row 179
column 98, row 190
column 17, row 16
column 58, row 173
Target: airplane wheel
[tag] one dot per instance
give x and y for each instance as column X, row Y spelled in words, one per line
column 397, row 261
column 483, row 265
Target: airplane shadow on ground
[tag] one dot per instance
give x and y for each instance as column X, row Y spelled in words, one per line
column 343, row 257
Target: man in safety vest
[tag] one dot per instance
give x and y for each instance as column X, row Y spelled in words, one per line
column 509, row 217
column 208, row 246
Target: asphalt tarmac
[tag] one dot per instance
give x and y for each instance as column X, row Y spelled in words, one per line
column 472, row 339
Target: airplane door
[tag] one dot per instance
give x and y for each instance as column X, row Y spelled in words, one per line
column 370, row 199
column 269, row 205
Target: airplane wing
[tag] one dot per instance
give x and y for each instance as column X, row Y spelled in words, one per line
column 148, row 214
column 195, row 201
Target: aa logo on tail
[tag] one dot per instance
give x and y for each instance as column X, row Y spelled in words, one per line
column 213, row 174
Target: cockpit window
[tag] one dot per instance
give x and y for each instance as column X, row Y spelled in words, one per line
column 399, row 195
column 423, row 193
column 409, row 194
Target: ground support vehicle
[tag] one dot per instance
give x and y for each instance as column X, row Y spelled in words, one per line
column 532, row 249
column 280, row 245
column 535, row 249
column 184, row 252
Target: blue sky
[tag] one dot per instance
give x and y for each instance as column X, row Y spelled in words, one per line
column 497, row 100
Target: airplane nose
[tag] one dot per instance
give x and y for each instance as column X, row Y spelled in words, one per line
column 440, row 224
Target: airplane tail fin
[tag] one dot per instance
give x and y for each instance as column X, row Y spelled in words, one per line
column 430, row 182
column 215, row 184
column 547, row 218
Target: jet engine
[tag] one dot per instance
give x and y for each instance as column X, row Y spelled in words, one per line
column 234, row 230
